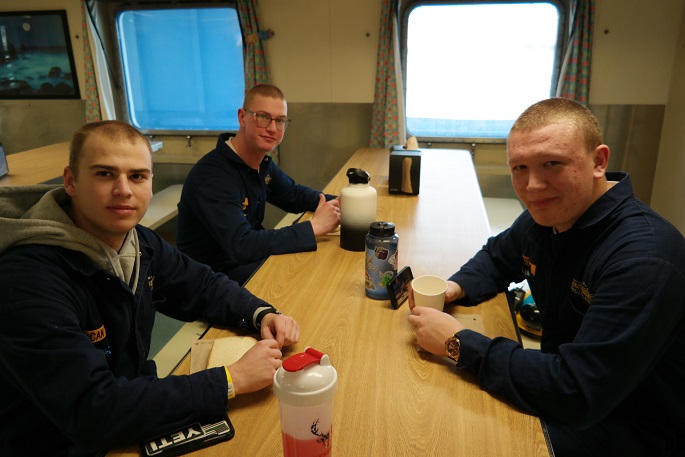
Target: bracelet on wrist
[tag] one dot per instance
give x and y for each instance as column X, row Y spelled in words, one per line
column 231, row 388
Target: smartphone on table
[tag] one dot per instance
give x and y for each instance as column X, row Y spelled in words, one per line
column 398, row 287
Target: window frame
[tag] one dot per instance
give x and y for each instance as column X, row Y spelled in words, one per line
column 163, row 5
column 405, row 8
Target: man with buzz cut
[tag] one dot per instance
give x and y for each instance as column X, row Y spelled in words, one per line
column 80, row 283
column 608, row 277
column 224, row 197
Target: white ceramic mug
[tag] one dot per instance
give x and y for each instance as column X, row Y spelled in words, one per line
column 429, row 291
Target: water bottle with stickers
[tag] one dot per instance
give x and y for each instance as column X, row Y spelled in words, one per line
column 381, row 259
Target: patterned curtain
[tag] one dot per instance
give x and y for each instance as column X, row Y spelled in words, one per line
column 91, row 89
column 385, row 117
column 574, row 78
column 256, row 67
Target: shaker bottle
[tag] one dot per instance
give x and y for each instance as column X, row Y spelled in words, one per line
column 305, row 385
column 357, row 209
column 381, row 259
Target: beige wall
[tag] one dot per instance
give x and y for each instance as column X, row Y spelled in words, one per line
column 323, row 51
column 669, row 185
column 633, row 49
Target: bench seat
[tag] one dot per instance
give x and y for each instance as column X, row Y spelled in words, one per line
column 163, row 206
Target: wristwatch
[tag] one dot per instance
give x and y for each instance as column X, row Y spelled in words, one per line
column 453, row 347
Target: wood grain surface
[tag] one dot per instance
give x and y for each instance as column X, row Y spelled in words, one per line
column 392, row 400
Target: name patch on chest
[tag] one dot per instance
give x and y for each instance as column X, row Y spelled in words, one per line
column 97, row 335
column 579, row 287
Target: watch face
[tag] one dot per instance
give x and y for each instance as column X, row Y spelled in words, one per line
column 453, row 348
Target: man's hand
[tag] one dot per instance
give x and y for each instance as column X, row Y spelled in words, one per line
column 454, row 292
column 256, row 368
column 281, row 328
column 433, row 328
column 327, row 216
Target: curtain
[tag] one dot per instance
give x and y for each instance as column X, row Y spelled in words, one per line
column 385, row 117
column 97, row 66
column 574, row 78
column 256, row 66
column 91, row 90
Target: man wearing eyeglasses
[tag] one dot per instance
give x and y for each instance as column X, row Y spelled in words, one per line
column 224, row 198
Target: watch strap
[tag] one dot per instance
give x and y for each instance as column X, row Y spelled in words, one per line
column 264, row 312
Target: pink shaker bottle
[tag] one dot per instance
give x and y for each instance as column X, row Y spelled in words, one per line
column 305, row 386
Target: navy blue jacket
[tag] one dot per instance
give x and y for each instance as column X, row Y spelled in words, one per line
column 222, row 208
column 74, row 342
column 611, row 292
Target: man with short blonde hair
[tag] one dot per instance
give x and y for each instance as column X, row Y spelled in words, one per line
column 225, row 195
column 80, row 284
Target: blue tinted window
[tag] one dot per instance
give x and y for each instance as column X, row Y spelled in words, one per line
column 471, row 69
column 183, row 68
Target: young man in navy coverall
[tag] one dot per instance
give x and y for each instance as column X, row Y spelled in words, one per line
column 225, row 195
column 80, row 282
column 608, row 276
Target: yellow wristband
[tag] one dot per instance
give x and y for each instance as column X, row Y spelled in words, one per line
column 231, row 389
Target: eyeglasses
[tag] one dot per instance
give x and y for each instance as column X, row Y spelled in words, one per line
column 264, row 120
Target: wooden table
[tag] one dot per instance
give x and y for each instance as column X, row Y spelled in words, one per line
column 392, row 400
column 36, row 165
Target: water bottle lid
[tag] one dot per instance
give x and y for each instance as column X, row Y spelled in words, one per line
column 358, row 176
column 382, row 229
column 306, row 379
